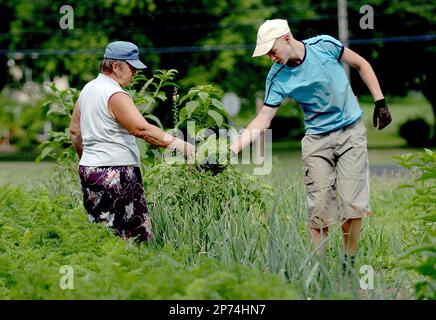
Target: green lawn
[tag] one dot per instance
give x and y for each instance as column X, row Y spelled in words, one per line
column 402, row 109
column 24, row 172
column 377, row 157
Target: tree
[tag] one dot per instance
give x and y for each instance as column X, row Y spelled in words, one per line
column 160, row 26
column 5, row 19
column 152, row 24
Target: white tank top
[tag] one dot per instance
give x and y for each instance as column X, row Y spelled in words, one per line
column 105, row 141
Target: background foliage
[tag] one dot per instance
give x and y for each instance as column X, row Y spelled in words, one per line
column 211, row 41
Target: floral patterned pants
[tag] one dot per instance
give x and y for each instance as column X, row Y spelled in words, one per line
column 115, row 196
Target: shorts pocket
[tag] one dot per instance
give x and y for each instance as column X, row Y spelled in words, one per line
column 308, row 180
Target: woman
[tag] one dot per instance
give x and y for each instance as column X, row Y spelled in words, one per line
column 103, row 128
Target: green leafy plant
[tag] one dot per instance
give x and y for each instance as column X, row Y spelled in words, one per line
column 423, row 166
column 200, row 119
column 150, row 91
column 212, row 150
column 213, row 154
column 58, row 146
column 203, row 108
column 146, row 93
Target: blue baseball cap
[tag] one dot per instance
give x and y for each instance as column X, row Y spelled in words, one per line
column 123, row 50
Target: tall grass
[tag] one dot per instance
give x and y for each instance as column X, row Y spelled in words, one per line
column 273, row 237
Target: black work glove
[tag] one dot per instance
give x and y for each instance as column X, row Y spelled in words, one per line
column 381, row 114
column 214, row 168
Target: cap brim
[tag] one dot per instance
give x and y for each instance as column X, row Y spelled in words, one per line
column 136, row 64
column 263, row 49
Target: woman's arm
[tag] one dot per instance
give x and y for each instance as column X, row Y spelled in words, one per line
column 75, row 133
column 127, row 115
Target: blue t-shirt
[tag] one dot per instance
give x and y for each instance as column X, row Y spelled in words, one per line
column 319, row 84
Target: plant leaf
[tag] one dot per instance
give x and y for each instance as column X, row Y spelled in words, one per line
column 203, row 96
column 217, row 103
column 45, row 152
column 220, row 111
column 191, row 106
column 182, row 114
column 216, row 116
column 403, row 186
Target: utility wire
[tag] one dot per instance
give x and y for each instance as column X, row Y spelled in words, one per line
column 196, row 49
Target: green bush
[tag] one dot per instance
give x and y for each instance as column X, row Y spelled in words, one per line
column 416, row 132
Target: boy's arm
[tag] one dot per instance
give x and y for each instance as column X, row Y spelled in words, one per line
column 365, row 70
column 257, row 125
column 381, row 111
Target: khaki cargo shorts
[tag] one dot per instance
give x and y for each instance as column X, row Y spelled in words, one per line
column 336, row 174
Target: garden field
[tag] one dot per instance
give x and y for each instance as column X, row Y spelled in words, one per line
column 210, row 242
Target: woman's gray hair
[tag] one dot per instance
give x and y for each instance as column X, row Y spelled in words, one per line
column 106, row 65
